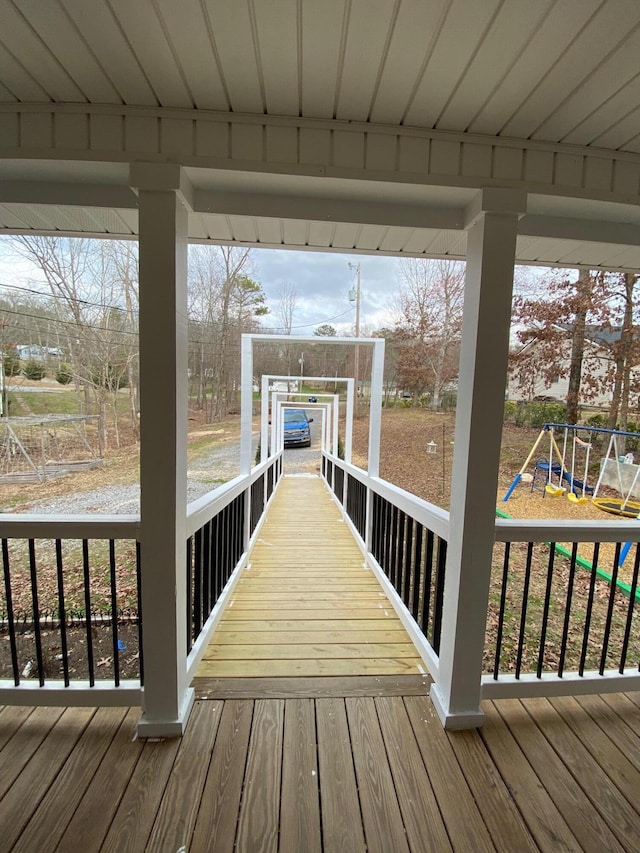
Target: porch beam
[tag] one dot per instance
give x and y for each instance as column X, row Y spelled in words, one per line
column 492, row 223
column 167, row 697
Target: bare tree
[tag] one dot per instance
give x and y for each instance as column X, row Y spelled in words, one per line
column 429, row 319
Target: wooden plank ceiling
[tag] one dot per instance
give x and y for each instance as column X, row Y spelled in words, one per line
column 554, row 70
column 564, row 72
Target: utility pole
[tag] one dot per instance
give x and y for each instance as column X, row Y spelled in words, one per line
column 356, row 360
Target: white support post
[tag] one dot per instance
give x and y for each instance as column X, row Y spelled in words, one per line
column 375, row 407
column 336, row 423
column 479, row 417
column 246, row 408
column 167, row 698
column 264, row 418
column 348, row 438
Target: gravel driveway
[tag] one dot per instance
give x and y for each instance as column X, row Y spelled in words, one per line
column 203, row 475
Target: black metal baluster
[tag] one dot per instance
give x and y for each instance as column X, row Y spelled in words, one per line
column 408, row 557
column 87, row 608
column 523, row 612
column 36, row 610
column 417, row 571
column 62, row 612
column 438, row 599
column 503, row 601
column 567, row 609
column 427, row 578
column 213, row 597
column 197, row 583
column 402, row 525
column 114, row 613
column 10, row 620
column 545, row 611
column 190, row 594
column 632, row 600
column 140, row 626
column 206, row 589
column 587, row 618
column 613, row 585
column 393, row 567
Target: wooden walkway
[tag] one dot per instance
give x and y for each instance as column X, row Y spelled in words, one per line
column 307, row 605
column 330, row 774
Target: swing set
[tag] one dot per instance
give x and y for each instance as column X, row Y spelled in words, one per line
column 566, row 471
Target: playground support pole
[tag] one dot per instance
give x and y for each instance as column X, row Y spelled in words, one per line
column 518, row 476
column 492, row 224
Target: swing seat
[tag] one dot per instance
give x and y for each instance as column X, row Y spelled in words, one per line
column 556, row 491
column 576, row 500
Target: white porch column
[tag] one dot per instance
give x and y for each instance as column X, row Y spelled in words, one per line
column 246, row 407
column 492, row 225
column 163, row 458
column 375, row 407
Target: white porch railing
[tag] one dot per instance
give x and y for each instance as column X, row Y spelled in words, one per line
column 221, row 527
column 62, row 555
column 597, row 647
column 65, row 571
column 404, row 539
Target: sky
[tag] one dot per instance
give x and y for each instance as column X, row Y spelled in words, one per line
column 322, row 281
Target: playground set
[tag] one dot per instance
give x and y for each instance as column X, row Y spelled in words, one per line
column 564, row 470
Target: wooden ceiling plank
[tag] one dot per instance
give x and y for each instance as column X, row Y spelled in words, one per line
column 367, row 35
column 621, row 133
column 617, row 112
column 55, row 29
column 17, row 84
column 514, row 26
column 581, row 57
column 37, row 59
column 545, row 48
column 190, row 37
column 599, row 88
column 460, row 37
column 414, row 34
column 149, row 43
column 277, row 26
column 322, row 25
column 106, row 40
column 233, row 36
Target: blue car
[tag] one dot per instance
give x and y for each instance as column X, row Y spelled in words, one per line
column 296, row 428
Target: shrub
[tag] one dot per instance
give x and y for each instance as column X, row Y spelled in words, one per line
column 11, row 363
column 63, row 374
column 510, row 411
column 34, row 370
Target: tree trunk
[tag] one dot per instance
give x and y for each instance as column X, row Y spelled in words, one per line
column 577, row 348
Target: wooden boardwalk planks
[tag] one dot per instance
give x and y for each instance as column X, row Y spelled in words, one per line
column 328, row 774
column 307, row 605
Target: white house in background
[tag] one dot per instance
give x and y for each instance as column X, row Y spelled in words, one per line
column 531, row 377
column 34, row 352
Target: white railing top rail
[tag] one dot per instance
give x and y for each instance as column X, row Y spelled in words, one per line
column 32, row 526
column 429, row 515
column 202, row 510
column 545, row 530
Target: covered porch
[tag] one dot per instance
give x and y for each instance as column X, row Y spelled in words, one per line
column 451, row 129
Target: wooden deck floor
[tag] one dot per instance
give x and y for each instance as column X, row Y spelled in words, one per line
column 307, row 605
column 328, row 774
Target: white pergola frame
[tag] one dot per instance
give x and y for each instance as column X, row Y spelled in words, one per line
column 246, row 386
column 350, row 407
column 329, row 431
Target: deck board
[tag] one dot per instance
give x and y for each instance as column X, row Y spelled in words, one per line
column 327, row 774
column 306, row 575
